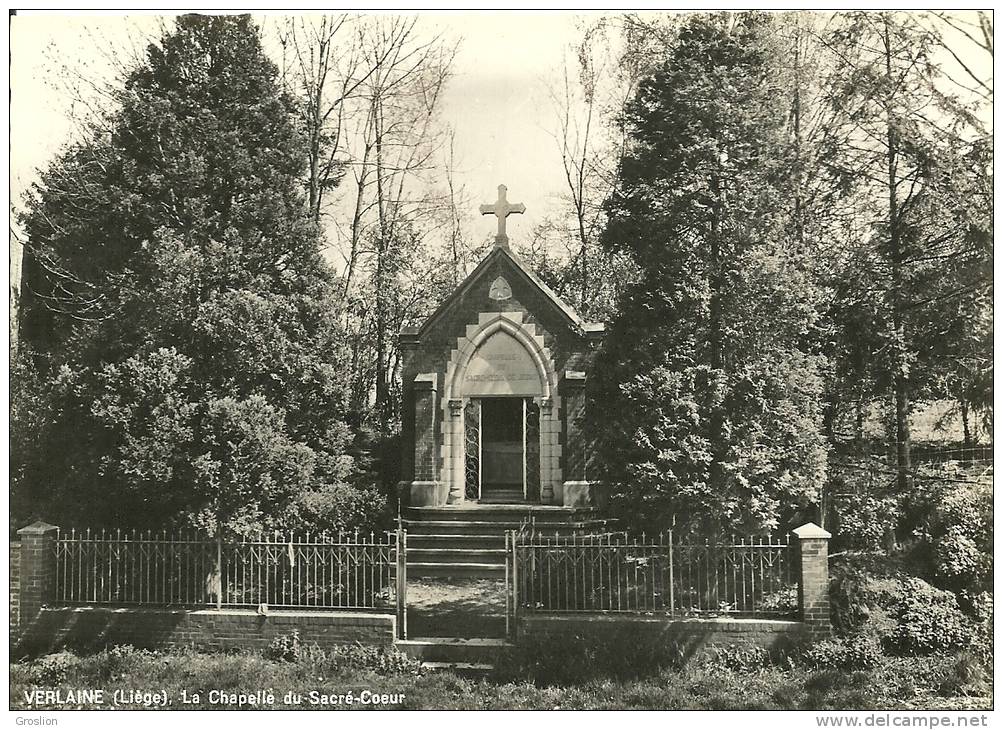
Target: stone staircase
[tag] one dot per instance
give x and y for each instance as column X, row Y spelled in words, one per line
column 473, row 658
column 468, row 541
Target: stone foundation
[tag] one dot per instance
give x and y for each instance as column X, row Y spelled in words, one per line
column 427, row 494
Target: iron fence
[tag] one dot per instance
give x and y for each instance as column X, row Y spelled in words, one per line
column 347, row 571
column 748, row 577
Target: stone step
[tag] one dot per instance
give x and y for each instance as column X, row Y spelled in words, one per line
column 463, row 669
column 470, row 527
column 455, row 555
column 418, row 541
column 452, row 650
column 455, row 570
column 517, row 513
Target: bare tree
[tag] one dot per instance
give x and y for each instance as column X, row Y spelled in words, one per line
column 594, row 87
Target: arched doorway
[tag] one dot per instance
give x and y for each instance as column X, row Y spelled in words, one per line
column 499, row 445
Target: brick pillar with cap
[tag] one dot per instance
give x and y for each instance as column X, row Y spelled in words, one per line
column 813, row 578
column 38, row 570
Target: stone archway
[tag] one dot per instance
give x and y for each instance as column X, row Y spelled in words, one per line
column 470, row 373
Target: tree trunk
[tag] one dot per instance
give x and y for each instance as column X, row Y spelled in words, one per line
column 965, row 424
column 901, row 379
column 716, row 420
column 382, row 246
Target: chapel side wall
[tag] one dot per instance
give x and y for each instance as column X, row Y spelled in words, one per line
column 408, row 374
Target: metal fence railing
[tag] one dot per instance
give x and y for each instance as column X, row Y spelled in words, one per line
column 751, row 577
column 346, row 571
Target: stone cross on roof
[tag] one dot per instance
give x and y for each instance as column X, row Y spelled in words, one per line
column 502, row 209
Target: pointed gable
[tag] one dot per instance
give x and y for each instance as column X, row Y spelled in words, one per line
column 508, row 274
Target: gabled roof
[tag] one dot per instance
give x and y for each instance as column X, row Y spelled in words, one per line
column 496, row 253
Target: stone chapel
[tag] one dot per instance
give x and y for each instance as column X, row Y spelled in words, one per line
column 494, row 384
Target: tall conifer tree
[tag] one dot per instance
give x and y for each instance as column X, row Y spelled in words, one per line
column 705, row 404
column 183, row 307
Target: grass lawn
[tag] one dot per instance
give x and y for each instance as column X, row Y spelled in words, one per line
column 912, row 683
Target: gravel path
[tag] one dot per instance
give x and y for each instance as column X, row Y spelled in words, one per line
column 456, row 607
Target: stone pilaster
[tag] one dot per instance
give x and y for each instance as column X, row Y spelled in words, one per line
column 424, row 427
column 426, row 489
column 576, row 489
column 813, row 577
column 38, row 570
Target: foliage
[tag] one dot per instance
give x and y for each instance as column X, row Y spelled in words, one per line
column 961, row 529
column 908, row 161
column 290, row 648
column 739, row 658
column 562, row 660
column 901, row 682
column 849, row 601
column 378, row 659
column 865, row 520
column 845, row 653
column 906, row 614
column 182, row 318
column 51, row 669
column 285, row 648
column 928, row 620
column 704, row 406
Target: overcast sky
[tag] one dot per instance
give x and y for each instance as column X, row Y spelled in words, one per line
column 497, row 100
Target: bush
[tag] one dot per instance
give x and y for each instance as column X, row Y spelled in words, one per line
column 564, row 660
column 954, row 521
column 865, row 520
column 928, row 620
column 371, row 658
column 848, row 601
column 337, row 507
column 291, row 648
column 285, row 648
column 967, row 677
column 51, row 669
column 959, row 559
column 114, row 662
column 738, row 658
column 843, row 653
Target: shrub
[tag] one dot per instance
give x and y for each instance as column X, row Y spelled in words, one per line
column 960, row 560
column 842, row 653
column 114, row 662
column 291, row 648
column 967, row 677
column 285, row 648
column 563, row 660
column 865, row 520
column 981, row 609
column 51, row 669
column 954, row 521
column 928, row 620
column 848, row 601
column 738, row 658
column 336, row 507
column 371, row 658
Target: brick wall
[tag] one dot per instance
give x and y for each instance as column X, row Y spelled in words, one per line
column 15, row 589
column 92, row 628
column 690, row 636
